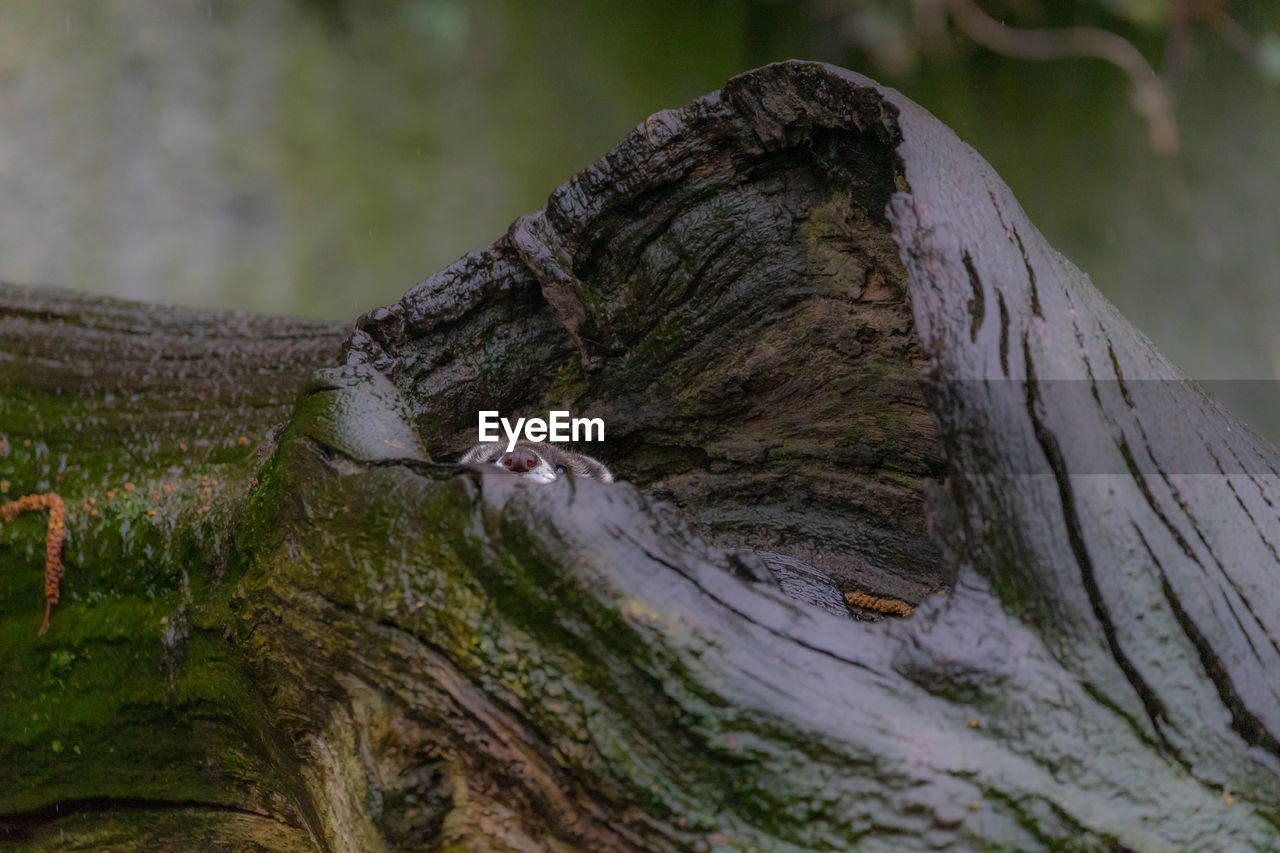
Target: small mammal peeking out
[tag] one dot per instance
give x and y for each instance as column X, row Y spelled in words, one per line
column 537, row 461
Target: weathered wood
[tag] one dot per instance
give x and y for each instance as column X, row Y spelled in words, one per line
column 129, row 722
column 820, row 326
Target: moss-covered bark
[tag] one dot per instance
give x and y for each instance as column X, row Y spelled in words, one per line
column 150, row 423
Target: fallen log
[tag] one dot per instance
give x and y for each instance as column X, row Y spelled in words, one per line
column 822, row 335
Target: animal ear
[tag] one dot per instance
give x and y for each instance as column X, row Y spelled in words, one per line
column 595, row 469
column 480, row 453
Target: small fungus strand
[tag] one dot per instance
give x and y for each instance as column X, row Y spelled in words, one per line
column 53, row 541
column 892, row 606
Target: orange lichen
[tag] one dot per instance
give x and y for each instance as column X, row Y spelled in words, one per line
column 892, row 606
column 52, row 543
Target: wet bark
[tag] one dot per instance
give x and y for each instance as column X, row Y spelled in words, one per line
column 821, row 334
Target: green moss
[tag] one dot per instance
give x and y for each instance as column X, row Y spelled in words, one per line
column 107, row 685
column 902, row 479
column 127, row 695
column 568, row 385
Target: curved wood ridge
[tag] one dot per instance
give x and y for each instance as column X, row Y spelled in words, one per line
column 1138, row 523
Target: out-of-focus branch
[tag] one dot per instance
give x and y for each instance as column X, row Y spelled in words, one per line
column 1150, row 94
column 1227, row 27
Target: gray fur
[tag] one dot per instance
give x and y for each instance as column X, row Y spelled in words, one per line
column 552, row 462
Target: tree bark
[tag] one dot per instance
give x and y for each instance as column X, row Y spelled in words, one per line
column 821, row 334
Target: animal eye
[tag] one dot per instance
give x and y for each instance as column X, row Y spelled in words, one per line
column 559, row 470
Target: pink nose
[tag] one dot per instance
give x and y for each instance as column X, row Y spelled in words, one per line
column 519, row 461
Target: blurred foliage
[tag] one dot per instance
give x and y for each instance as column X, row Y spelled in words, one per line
column 321, row 156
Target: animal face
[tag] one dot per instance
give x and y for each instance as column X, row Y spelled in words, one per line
column 539, row 462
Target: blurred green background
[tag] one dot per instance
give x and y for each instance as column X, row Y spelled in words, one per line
column 320, row 157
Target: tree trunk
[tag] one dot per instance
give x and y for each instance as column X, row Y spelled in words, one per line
column 822, row 335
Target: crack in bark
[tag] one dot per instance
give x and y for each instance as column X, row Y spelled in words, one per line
column 1222, row 571
column 1004, row 333
column 1235, row 588
column 739, row 613
column 713, row 256
column 1243, row 721
column 1075, row 537
column 1031, row 276
column 1253, row 522
column 977, row 305
column 1261, row 491
column 1141, row 480
column 18, row 824
column 1115, row 365
column 1221, row 679
column 1088, row 365
column 1016, row 239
